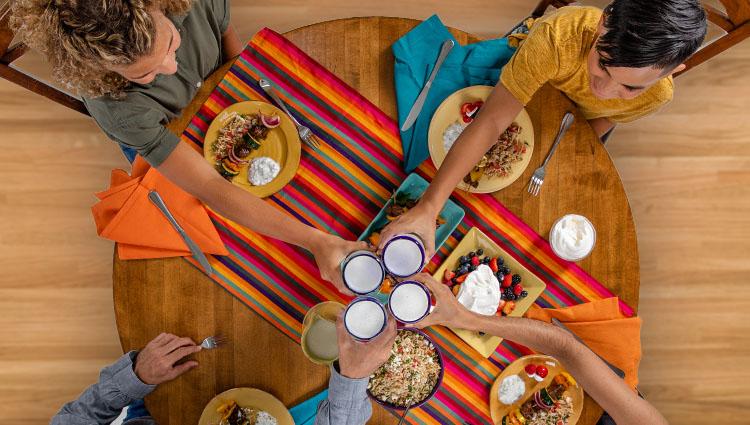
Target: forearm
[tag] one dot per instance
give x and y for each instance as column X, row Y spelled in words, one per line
column 601, row 126
column 347, row 402
column 495, row 116
column 102, row 402
column 603, row 385
column 230, row 43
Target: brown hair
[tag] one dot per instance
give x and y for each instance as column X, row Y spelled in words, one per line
column 80, row 38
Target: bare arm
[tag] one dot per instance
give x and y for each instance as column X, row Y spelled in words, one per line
column 601, row 126
column 495, row 116
column 230, row 43
column 603, row 385
column 186, row 168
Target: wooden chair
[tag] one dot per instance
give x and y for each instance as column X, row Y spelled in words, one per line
column 735, row 22
column 9, row 52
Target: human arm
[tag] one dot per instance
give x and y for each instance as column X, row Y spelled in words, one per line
column 132, row 377
column 603, row 385
column 347, row 402
column 189, row 170
column 231, row 45
column 495, row 116
column 601, row 126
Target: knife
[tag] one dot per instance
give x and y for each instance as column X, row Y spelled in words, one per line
column 419, row 103
column 155, row 198
column 614, row 368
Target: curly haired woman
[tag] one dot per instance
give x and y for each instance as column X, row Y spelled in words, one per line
column 137, row 64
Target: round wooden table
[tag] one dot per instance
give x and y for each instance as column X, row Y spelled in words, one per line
column 170, row 295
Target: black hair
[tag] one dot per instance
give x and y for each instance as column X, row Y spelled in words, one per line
column 657, row 33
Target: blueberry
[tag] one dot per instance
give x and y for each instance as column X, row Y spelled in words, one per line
column 524, row 294
column 480, row 251
column 500, row 276
column 500, row 261
column 462, row 259
column 472, row 254
column 505, row 270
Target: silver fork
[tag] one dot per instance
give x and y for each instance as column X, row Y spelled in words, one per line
column 212, row 342
column 538, row 178
column 304, row 132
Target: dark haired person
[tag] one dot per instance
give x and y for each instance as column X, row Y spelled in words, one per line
column 616, row 65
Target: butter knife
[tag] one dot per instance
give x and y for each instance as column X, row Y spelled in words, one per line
column 614, row 368
column 155, row 199
column 419, row 103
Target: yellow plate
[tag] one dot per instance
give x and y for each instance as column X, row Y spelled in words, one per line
column 282, row 145
column 498, row 410
column 246, row 397
column 474, row 240
column 449, row 112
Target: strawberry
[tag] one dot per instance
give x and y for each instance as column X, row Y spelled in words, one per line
column 455, row 289
column 493, row 265
column 448, row 275
column 500, row 306
column 475, row 261
column 509, row 307
column 462, row 278
column 517, row 289
column 507, row 281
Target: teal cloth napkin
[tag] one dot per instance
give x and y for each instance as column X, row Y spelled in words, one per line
column 304, row 413
column 415, row 55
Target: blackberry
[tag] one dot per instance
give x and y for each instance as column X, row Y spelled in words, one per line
column 480, row 251
column 516, row 279
column 472, row 268
column 508, row 294
column 505, row 270
column 524, row 294
column 486, row 260
column 462, row 259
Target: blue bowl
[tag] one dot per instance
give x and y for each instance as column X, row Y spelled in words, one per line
column 415, row 186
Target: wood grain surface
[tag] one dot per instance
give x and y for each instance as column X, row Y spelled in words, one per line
column 170, row 294
column 686, row 171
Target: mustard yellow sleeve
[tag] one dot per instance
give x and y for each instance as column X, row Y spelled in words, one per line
column 535, row 63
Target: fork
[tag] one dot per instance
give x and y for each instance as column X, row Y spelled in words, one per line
column 538, row 178
column 212, row 342
column 304, row 132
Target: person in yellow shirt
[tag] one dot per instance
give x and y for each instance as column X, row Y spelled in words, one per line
column 615, row 64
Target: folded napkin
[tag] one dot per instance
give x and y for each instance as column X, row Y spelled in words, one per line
column 125, row 215
column 415, row 55
column 605, row 330
column 304, row 413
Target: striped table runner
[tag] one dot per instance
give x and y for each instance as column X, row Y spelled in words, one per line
column 339, row 189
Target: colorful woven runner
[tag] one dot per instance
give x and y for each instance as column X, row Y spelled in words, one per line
column 339, row 189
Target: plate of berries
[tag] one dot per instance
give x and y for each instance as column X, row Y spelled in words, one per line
column 478, row 262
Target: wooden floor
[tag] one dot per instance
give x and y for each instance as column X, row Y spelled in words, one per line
column 686, row 170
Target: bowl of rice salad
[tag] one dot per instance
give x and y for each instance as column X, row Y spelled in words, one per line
column 411, row 376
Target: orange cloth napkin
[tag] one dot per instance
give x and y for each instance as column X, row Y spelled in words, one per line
column 604, row 329
column 125, row 215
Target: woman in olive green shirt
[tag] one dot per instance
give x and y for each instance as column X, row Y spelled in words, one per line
column 137, row 64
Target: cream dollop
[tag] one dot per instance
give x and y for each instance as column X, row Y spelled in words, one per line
column 572, row 237
column 511, row 389
column 262, row 171
column 480, row 292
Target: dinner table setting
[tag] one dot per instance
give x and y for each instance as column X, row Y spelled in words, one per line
column 344, row 124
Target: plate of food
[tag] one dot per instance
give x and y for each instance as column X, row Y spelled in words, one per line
column 478, row 266
column 245, row 406
column 255, row 146
column 411, row 376
column 535, row 390
column 405, row 197
column 504, row 163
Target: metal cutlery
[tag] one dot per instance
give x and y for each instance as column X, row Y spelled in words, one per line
column 446, row 48
column 403, row 415
column 212, row 342
column 614, row 368
column 535, row 184
column 155, row 198
column 305, row 133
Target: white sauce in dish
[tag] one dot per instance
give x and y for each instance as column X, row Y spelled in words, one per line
column 511, row 389
column 451, row 134
column 262, row 171
column 572, row 237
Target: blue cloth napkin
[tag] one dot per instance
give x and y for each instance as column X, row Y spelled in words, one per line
column 304, row 413
column 415, row 54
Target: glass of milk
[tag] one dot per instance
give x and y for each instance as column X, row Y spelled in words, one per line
column 365, row 318
column 362, row 272
column 572, row 237
column 409, row 301
column 404, row 255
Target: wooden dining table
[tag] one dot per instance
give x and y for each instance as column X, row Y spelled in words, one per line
column 171, row 295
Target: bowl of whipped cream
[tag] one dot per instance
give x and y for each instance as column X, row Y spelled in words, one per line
column 572, row 237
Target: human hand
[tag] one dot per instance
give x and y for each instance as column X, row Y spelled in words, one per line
column 419, row 220
column 361, row 359
column 156, row 363
column 447, row 310
column 329, row 252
